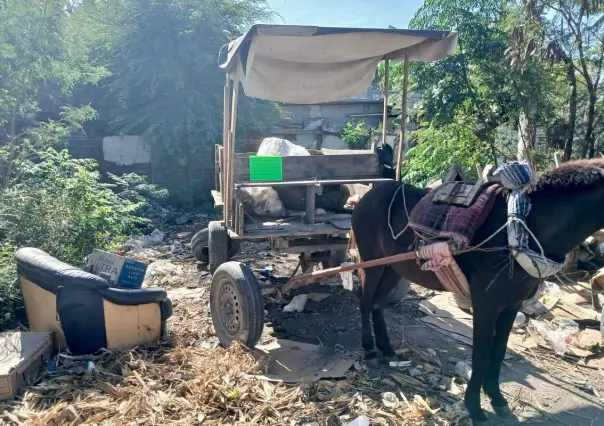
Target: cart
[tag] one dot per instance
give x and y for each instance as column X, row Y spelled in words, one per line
column 303, row 65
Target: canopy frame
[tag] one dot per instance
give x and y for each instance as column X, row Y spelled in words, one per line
column 235, row 57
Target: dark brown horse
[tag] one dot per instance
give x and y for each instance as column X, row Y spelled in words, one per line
column 567, row 207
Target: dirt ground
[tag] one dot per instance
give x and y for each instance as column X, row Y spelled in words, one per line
column 542, row 388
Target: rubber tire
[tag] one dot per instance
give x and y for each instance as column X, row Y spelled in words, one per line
column 251, row 305
column 199, row 246
column 336, row 260
column 218, row 244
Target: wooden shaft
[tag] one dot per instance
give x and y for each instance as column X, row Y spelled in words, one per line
column 386, row 90
column 225, row 156
column 399, row 157
column 313, row 276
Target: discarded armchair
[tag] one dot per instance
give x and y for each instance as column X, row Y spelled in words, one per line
column 83, row 311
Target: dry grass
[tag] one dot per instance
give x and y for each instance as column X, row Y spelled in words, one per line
column 172, row 384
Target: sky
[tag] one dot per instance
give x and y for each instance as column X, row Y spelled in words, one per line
column 346, row 13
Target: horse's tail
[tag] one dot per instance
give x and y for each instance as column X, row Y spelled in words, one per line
column 355, row 255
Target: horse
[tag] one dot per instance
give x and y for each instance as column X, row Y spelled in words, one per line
column 566, row 206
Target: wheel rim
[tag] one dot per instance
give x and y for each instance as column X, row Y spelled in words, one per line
column 230, row 310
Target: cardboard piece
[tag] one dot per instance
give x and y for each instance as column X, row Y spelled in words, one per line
column 295, row 362
column 21, row 355
column 445, row 317
column 123, row 272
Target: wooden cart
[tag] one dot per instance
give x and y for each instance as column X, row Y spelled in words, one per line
column 304, row 65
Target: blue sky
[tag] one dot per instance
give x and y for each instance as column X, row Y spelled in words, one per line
column 346, row 13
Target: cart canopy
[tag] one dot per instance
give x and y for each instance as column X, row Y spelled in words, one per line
column 307, row 65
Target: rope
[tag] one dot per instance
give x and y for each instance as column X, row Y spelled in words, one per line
column 396, row 237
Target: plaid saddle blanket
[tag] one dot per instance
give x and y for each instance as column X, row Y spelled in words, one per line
column 441, row 221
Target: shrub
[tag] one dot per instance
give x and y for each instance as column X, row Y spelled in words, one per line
column 59, row 205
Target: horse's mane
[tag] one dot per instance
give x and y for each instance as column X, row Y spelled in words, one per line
column 571, row 176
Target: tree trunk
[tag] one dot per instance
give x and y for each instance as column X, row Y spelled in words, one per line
column 590, row 139
column 572, row 111
column 525, row 138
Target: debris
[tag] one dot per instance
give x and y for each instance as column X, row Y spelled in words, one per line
column 296, row 362
column 590, row 339
column 450, row 386
column 317, row 297
column 390, row 400
column 297, row 304
column 346, row 276
column 182, row 219
column 139, row 242
column 177, row 248
column 183, row 235
column 463, row 371
column 520, row 320
column 557, row 333
column 399, row 364
column 359, row 421
column 414, row 372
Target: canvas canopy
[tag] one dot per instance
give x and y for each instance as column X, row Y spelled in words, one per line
column 307, row 64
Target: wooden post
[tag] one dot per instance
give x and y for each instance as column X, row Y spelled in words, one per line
column 386, row 90
column 225, row 152
column 231, row 153
column 310, row 204
column 399, row 157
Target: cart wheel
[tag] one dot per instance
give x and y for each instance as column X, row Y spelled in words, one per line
column 336, row 259
column 236, row 305
column 218, row 243
column 199, row 245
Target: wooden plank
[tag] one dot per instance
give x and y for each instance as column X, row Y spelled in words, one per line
column 314, row 182
column 296, row 229
column 350, row 166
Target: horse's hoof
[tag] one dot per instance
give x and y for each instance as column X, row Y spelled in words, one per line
column 505, row 412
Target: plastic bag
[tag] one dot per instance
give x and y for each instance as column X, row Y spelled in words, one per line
column 558, row 334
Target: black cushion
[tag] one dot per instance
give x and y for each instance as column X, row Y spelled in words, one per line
column 49, row 273
column 126, row 296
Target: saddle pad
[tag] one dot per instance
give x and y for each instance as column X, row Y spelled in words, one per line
column 453, row 223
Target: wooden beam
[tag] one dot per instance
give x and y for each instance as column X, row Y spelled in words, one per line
column 225, row 142
column 399, row 157
column 386, row 90
column 318, row 182
column 310, row 204
column 313, row 276
column 349, row 166
column 231, row 153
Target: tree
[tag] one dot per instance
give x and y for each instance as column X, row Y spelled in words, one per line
column 578, row 26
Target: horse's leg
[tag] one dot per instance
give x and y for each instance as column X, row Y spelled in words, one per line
column 373, row 277
column 389, row 282
column 485, row 317
column 503, row 328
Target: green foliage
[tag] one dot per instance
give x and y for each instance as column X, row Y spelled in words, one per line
column 165, row 81
column 60, row 206
column 357, row 135
column 437, row 148
column 147, row 198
